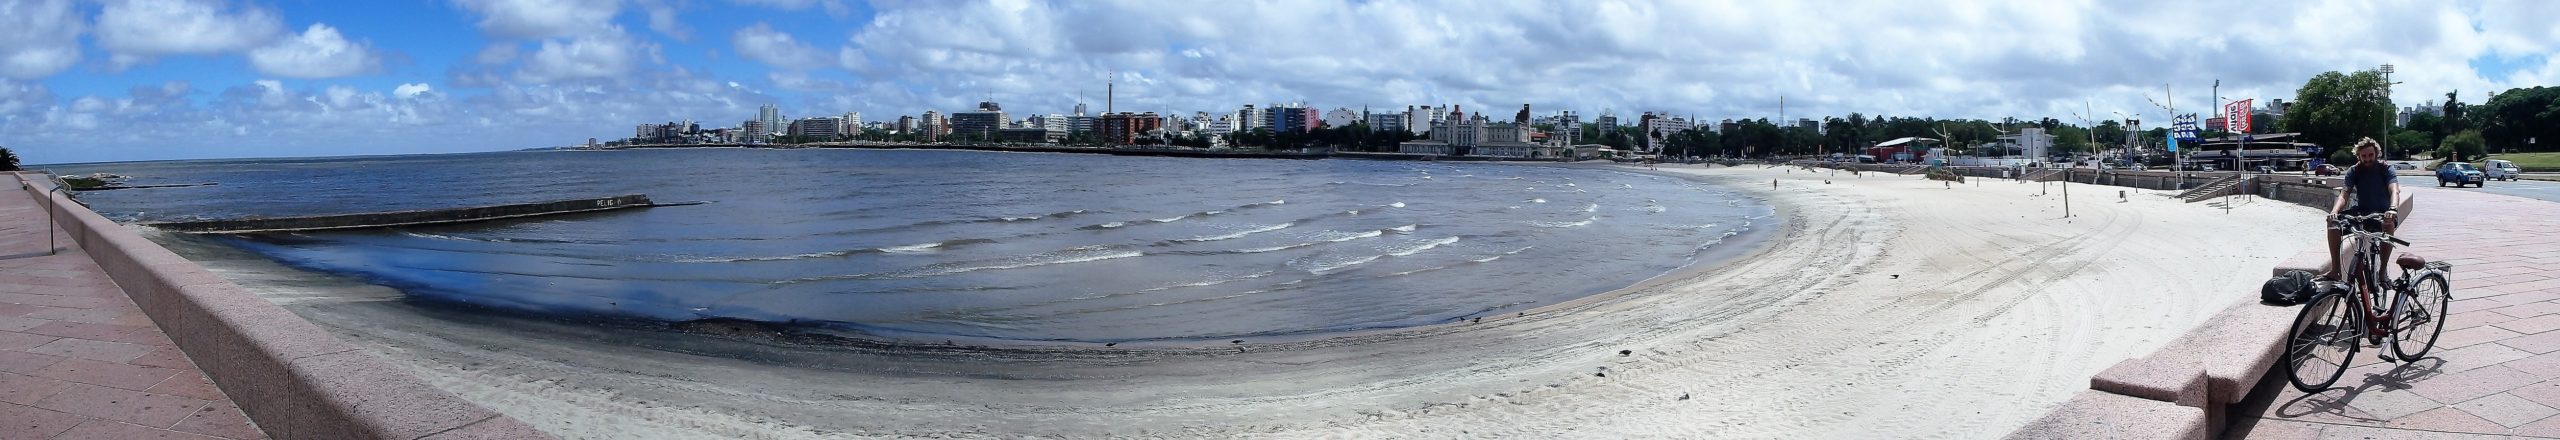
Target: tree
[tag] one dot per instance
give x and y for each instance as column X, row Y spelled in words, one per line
column 2334, row 109
column 8, row 159
column 2405, row 143
column 2526, row 118
column 2464, row 147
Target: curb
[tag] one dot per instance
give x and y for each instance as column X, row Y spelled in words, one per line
column 291, row 377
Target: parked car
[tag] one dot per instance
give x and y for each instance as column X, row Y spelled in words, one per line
column 2404, row 166
column 2458, row 174
column 2500, row 169
column 2326, row 170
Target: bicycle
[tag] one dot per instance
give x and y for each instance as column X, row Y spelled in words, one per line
column 2341, row 316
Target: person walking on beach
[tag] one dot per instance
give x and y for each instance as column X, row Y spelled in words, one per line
column 2370, row 187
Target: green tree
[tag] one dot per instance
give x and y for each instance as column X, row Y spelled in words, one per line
column 2334, row 109
column 2525, row 118
column 8, row 159
column 2466, row 146
column 2405, row 143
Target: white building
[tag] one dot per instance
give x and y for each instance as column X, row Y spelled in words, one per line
column 2033, row 142
column 1386, row 122
column 1342, row 117
column 771, row 117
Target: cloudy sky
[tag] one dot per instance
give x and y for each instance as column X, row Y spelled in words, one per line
column 115, row 80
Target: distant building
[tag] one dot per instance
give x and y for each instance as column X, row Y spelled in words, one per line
column 1343, row 117
column 1607, row 123
column 817, row 128
column 933, row 126
column 1569, row 127
column 771, row 117
column 2032, row 143
column 1294, row 118
column 1252, row 118
column 1386, row 122
column 1035, row 135
column 981, row 124
column 1125, row 128
column 752, row 132
column 906, row 124
column 850, row 124
column 1657, row 128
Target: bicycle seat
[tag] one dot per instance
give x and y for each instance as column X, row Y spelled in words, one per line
column 2411, row 261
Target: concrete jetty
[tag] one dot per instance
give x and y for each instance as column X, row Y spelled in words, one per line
column 411, row 218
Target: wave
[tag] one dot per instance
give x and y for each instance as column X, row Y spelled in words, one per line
column 1197, row 284
column 1340, row 265
column 1085, row 254
column 1110, row 225
column 1405, row 228
column 1595, row 207
column 1355, row 236
column 1396, row 205
column 1425, row 245
column 1548, row 224
column 907, row 249
column 1657, row 209
column 1540, row 200
column 1237, row 234
column 1171, row 219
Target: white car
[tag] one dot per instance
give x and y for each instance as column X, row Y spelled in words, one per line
column 2496, row 169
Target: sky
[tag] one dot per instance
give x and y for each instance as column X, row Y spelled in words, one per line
column 122, row 80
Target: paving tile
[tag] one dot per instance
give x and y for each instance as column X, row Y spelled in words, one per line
column 82, row 330
column 2463, row 319
column 2473, row 384
column 2533, row 325
column 2546, row 393
column 222, row 419
column 2476, row 356
column 26, row 390
column 25, row 363
column 2509, row 411
column 2530, row 310
column 2547, row 428
column 21, row 421
column 102, row 429
column 92, row 316
column 165, row 357
column 147, row 336
column 2472, row 336
column 189, row 384
column 75, row 302
column 20, row 324
column 122, row 405
column 2448, row 419
column 93, row 350
column 130, row 377
column 22, row 341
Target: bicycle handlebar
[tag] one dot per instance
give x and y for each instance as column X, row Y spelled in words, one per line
column 2353, row 224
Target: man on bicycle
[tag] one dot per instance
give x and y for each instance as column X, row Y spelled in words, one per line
column 2371, row 187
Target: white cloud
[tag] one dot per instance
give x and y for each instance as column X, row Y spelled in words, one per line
column 497, row 53
column 136, row 30
column 665, row 19
column 38, row 38
column 765, row 45
column 585, row 57
column 318, row 52
column 836, row 8
column 529, row 19
column 411, row 90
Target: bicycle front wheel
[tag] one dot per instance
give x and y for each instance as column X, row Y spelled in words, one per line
column 2322, row 341
column 2419, row 317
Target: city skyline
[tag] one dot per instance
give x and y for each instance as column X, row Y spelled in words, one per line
column 212, row 79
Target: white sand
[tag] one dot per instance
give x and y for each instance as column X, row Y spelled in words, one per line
column 2002, row 309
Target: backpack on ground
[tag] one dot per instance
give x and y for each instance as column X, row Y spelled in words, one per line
column 2291, row 289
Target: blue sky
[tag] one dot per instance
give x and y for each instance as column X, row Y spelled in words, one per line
column 113, row 80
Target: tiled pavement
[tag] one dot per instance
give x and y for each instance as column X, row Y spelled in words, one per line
column 2496, row 369
column 79, row 361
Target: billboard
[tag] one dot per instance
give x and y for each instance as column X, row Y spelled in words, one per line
column 2239, row 111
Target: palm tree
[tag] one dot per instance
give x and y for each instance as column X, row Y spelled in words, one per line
column 8, row 159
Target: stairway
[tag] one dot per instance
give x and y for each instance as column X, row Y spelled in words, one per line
column 2215, row 188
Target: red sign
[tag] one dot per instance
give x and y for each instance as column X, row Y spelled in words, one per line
column 2239, row 111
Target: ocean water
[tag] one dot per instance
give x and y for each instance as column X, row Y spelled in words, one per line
column 931, row 245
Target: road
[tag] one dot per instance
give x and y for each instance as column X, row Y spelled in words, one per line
column 2522, row 188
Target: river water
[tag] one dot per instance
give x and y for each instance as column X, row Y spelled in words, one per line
column 924, row 246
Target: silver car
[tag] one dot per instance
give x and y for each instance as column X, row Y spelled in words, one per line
column 2499, row 169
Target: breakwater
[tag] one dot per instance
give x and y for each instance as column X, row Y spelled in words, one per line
column 408, row 218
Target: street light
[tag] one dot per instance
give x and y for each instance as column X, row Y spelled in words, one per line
column 2387, row 108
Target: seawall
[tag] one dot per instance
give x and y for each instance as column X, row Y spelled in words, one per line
column 409, row 218
column 291, row 377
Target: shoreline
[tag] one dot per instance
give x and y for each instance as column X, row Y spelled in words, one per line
column 1992, row 313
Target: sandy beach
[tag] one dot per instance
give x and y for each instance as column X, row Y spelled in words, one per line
column 1879, row 307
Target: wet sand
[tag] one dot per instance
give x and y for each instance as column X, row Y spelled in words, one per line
column 1883, row 306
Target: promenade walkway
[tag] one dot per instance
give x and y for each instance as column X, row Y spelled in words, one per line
column 2496, row 369
column 78, row 360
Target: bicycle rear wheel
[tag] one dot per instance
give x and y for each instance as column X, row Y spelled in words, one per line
column 2323, row 339
column 2419, row 317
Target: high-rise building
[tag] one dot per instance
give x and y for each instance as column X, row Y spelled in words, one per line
column 817, row 128
column 981, row 124
column 1126, row 128
column 1294, row 118
column 1569, row 126
column 771, row 117
column 1253, row 117
column 906, row 124
column 1607, row 123
column 933, row 126
column 752, row 132
column 851, row 123
column 1385, row 122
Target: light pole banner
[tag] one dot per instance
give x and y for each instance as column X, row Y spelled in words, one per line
column 2239, row 119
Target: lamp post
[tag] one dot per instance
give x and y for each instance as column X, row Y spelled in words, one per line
column 2386, row 109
